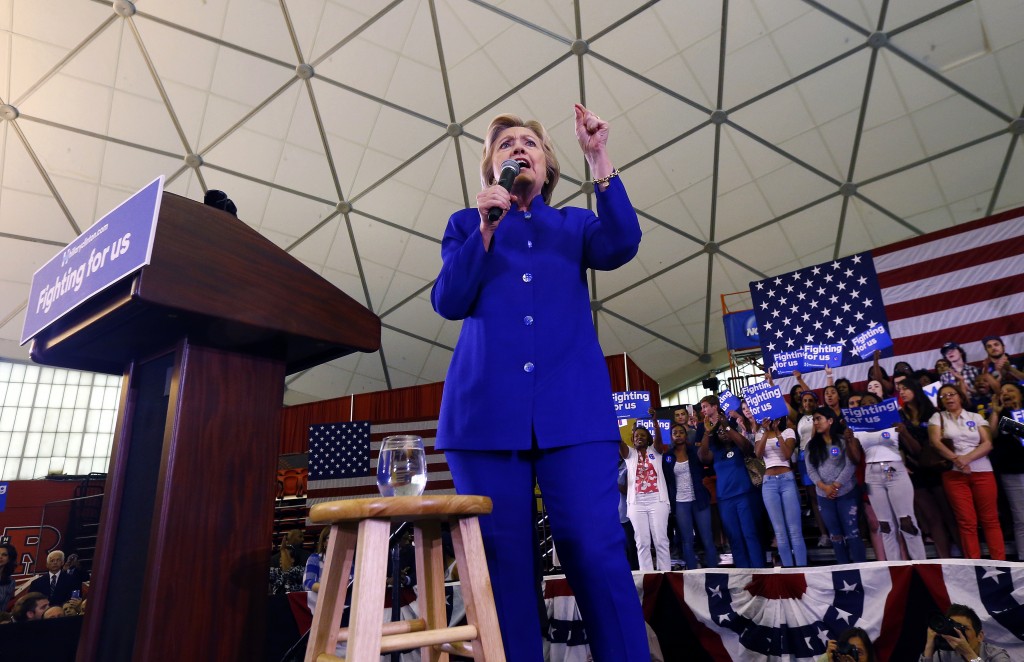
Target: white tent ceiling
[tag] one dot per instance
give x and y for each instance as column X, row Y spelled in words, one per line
column 754, row 138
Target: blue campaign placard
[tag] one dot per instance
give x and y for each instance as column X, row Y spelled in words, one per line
column 819, row 356
column 728, row 401
column 932, row 391
column 1018, row 415
column 663, row 426
column 113, row 247
column 872, row 418
column 765, row 401
column 874, row 338
column 631, row 404
column 3, row 497
column 787, row 362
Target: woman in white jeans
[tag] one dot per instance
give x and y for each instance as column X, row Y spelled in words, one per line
column 647, row 496
column 889, row 490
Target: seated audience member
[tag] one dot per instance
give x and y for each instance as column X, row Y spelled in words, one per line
column 56, row 584
column 74, row 608
column 998, row 368
column 960, row 372
column 30, row 607
column 315, row 568
column 1008, row 458
column 853, row 645
column 963, row 438
column 832, row 470
column 966, row 643
column 8, row 563
column 73, row 567
column 54, row 612
column 291, row 552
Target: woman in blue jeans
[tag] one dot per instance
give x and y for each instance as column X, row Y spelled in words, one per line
column 832, row 470
column 779, row 490
column 691, row 501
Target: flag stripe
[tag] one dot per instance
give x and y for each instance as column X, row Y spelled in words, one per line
column 954, row 244
column 970, row 282
column 1000, row 308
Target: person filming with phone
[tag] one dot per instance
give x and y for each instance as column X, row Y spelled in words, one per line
column 958, row 636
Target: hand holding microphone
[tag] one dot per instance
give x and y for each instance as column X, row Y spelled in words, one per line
column 509, row 172
column 494, row 200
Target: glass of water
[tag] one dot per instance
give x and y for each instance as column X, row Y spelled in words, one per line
column 402, row 466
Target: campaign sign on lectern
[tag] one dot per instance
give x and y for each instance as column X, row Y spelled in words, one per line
column 116, row 245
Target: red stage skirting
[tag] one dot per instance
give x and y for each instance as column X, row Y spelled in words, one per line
column 719, row 615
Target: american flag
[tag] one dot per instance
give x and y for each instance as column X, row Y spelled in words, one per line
column 364, row 484
column 828, row 303
column 959, row 284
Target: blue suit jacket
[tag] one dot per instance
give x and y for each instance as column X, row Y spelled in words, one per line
column 527, row 361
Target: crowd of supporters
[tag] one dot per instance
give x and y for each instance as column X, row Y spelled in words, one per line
column 946, row 476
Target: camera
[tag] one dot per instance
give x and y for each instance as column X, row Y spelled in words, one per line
column 846, row 648
column 944, row 625
column 1009, row 426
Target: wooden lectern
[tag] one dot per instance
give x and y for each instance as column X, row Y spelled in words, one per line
column 203, row 336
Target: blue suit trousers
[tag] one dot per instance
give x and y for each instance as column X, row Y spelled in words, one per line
column 580, row 491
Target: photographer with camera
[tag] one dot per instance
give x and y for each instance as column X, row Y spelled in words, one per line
column 853, row 645
column 957, row 636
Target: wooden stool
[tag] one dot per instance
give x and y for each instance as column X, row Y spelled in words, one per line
column 359, row 533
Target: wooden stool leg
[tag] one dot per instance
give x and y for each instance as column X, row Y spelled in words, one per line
column 366, row 616
column 476, row 590
column 430, row 584
column 330, row 604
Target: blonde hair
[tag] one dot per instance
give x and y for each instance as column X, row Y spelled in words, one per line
column 509, row 121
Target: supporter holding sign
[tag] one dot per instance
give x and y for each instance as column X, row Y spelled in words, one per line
column 888, row 485
column 873, row 417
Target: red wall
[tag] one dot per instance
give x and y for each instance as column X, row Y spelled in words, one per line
column 23, row 519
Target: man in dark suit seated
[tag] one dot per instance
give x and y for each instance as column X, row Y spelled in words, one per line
column 56, row 584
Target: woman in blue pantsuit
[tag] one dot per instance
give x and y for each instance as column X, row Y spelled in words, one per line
column 527, row 397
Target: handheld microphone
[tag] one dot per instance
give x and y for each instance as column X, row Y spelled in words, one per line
column 509, row 172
